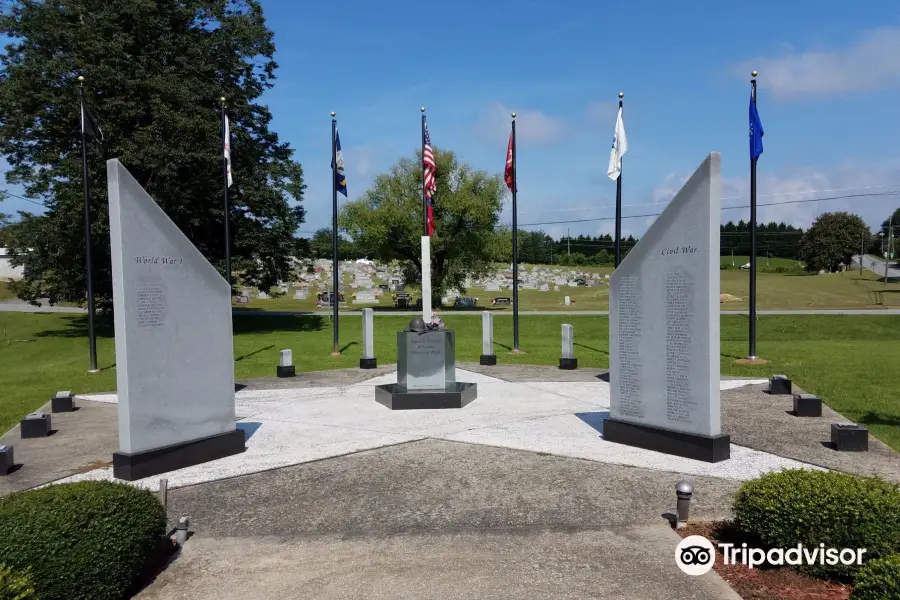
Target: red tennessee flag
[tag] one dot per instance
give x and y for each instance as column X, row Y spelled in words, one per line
column 508, row 173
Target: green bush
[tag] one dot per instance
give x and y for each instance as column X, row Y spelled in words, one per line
column 780, row 510
column 16, row 585
column 878, row 580
column 91, row 540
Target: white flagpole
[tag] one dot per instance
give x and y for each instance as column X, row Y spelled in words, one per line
column 426, row 278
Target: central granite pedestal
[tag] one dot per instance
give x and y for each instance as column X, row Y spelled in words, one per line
column 426, row 373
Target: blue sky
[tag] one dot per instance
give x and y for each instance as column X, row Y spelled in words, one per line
column 828, row 88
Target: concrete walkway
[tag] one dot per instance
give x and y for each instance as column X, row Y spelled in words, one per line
column 515, row 496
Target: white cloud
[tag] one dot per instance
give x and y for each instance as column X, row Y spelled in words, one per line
column 603, row 114
column 868, row 64
column 362, row 160
column 533, row 127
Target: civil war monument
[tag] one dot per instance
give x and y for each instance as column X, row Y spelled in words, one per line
column 664, row 329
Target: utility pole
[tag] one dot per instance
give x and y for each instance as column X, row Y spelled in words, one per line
column 890, row 244
column 862, row 247
column 568, row 243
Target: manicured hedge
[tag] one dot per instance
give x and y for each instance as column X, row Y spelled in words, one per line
column 878, row 580
column 90, row 540
column 780, row 510
column 16, row 585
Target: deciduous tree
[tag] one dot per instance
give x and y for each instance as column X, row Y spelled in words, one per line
column 386, row 223
column 833, row 239
column 154, row 73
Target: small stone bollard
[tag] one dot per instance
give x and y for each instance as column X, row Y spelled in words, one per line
column 181, row 530
column 807, row 405
column 62, row 402
column 286, row 364
column 6, row 459
column 35, row 425
column 683, row 491
column 568, row 360
column 368, row 360
column 487, row 339
column 849, row 438
column 780, row 385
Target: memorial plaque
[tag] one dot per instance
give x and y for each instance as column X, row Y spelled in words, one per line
column 174, row 354
column 664, row 315
column 426, row 361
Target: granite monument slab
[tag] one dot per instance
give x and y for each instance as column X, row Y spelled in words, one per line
column 664, row 329
column 174, row 353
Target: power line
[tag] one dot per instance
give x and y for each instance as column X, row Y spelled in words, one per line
column 851, row 189
column 645, row 216
column 4, row 192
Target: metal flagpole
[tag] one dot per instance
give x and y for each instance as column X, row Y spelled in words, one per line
column 752, row 355
column 424, row 199
column 619, row 203
column 335, row 298
column 92, row 335
column 226, row 146
column 515, row 241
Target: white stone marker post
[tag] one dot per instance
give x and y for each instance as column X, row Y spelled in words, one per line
column 568, row 361
column 286, row 364
column 368, row 360
column 487, row 339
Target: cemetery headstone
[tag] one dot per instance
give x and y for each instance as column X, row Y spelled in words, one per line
column 568, row 301
column 664, row 329
column 368, row 360
column 243, row 299
column 174, row 351
column 365, row 297
column 262, row 296
column 301, row 294
column 487, row 339
column 285, row 364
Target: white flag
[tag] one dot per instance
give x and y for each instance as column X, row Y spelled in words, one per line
column 619, row 148
column 227, row 150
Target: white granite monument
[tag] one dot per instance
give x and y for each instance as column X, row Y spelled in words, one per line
column 174, row 354
column 664, row 329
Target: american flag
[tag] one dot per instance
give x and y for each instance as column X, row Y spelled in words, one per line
column 430, row 187
column 508, row 172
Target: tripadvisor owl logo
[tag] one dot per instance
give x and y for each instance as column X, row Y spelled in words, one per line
column 695, row 555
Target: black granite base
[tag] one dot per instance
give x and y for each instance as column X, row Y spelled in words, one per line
column 368, row 363
column 849, row 438
column 60, row 404
column 780, row 386
column 138, row 465
column 35, row 427
column 6, row 459
column 397, row 397
column 290, row 371
column 568, row 364
column 488, row 360
column 710, row 449
column 807, row 405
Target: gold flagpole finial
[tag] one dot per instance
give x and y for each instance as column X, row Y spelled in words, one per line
column 754, row 73
column 514, row 115
column 81, row 80
column 621, row 95
column 333, row 113
column 422, row 109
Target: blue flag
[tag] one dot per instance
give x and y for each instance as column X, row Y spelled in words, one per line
column 340, row 181
column 756, row 131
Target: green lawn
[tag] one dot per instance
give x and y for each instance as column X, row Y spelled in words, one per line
column 848, row 360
